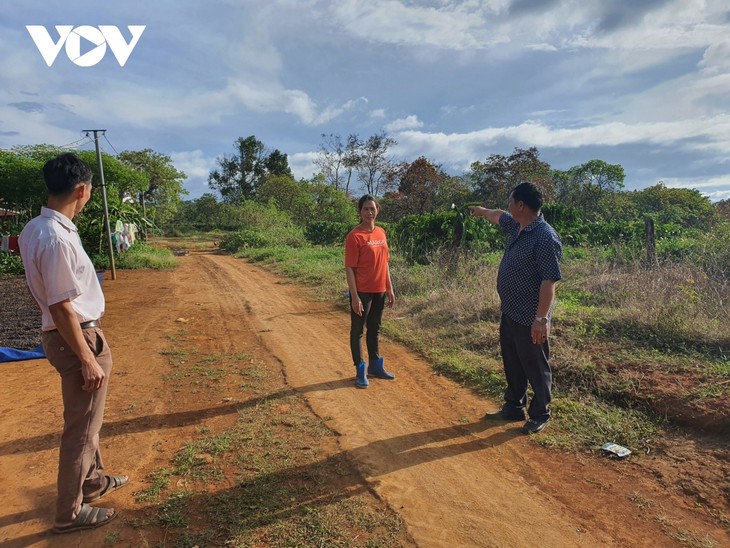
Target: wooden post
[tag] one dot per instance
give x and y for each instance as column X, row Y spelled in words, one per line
column 650, row 242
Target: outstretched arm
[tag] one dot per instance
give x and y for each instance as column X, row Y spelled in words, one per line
column 492, row 215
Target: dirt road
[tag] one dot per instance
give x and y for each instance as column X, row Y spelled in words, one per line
column 418, row 441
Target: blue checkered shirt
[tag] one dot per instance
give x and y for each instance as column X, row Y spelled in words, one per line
column 531, row 257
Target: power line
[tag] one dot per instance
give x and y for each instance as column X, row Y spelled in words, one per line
column 110, row 144
column 80, row 142
column 74, row 144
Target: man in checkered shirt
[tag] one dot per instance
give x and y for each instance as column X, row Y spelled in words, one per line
column 529, row 270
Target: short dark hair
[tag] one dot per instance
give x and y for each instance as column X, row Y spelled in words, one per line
column 366, row 198
column 529, row 194
column 64, row 172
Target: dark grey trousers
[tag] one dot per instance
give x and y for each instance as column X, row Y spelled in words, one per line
column 373, row 305
column 525, row 363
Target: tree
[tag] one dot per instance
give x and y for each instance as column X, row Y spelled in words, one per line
column 21, row 183
column 331, row 204
column 164, row 184
column 587, row 185
column 375, row 168
column 277, row 164
column 242, row 173
column 22, row 187
column 338, row 160
column 424, row 188
column 685, row 207
column 289, row 196
column 723, row 209
column 493, row 179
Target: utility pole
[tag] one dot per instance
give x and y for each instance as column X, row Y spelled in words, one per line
column 103, row 195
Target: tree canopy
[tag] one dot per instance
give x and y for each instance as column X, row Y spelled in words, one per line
column 242, row 173
column 424, row 187
column 493, row 179
column 164, row 183
column 587, row 186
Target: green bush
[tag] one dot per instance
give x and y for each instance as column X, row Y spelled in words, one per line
column 140, row 255
column 712, row 252
column 327, row 232
column 249, row 238
column 567, row 221
column 417, row 237
column 10, row 264
column 253, row 238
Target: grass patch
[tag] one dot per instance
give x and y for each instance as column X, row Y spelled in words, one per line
column 721, row 370
column 140, row 255
column 315, row 266
column 202, row 371
column 173, row 513
column 159, row 479
column 590, row 423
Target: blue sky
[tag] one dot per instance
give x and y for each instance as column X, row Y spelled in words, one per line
column 645, row 84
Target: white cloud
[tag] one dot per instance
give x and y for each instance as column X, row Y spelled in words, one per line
column 197, row 166
column 715, row 188
column 18, row 127
column 194, row 163
column 401, row 124
column 716, row 58
column 302, row 164
column 464, row 148
column 718, row 183
column 718, row 195
column 458, row 25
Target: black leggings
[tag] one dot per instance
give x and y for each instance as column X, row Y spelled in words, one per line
column 373, row 305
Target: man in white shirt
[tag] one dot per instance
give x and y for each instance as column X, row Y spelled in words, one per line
column 62, row 280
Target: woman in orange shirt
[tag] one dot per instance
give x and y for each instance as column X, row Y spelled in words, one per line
column 368, row 278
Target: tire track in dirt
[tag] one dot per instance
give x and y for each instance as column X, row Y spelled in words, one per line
column 418, row 440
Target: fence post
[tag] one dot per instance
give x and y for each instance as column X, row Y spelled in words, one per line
column 650, row 242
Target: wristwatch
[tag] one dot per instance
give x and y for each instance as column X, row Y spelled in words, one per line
column 541, row 319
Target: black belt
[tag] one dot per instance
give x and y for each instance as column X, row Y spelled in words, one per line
column 92, row 323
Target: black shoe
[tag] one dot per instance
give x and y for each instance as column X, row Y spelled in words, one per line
column 533, row 426
column 505, row 415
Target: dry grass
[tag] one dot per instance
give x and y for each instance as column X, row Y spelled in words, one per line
column 619, row 330
column 672, row 305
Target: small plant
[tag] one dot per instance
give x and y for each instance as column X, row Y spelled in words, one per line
column 173, row 512
column 160, row 480
column 110, row 539
column 10, row 264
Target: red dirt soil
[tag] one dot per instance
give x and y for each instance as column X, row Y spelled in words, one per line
column 418, row 442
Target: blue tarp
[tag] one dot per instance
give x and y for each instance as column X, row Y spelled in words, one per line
column 13, row 355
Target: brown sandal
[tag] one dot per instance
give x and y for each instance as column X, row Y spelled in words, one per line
column 112, row 484
column 89, row 517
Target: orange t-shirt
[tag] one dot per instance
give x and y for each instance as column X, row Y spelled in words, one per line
column 367, row 253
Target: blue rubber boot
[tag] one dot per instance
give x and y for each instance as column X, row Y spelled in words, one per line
column 361, row 380
column 375, row 369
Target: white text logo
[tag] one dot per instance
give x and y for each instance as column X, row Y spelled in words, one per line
column 100, row 37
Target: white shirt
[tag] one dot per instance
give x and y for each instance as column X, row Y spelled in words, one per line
column 57, row 268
